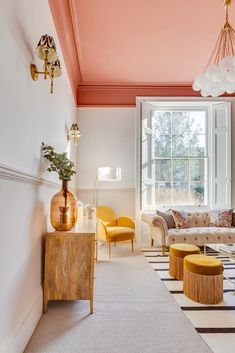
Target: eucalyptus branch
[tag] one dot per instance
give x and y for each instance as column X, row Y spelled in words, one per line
column 59, row 162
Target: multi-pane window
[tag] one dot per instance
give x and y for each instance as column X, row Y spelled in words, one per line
column 185, row 154
column 180, row 152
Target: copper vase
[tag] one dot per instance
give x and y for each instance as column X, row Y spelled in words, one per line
column 63, row 209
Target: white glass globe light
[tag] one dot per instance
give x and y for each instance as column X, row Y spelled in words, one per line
column 226, row 62
column 208, row 85
column 199, row 81
column 229, row 87
column 211, row 70
column 231, row 75
column 196, row 87
column 217, row 91
column 219, row 75
column 204, row 92
column 233, row 61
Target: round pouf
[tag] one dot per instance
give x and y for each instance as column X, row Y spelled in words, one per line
column 203, row 279
column 177, row 254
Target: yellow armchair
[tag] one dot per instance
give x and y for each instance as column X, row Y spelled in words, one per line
column 112, row 229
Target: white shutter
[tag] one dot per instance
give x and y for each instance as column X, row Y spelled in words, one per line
column 221, row 156
column 147, row 160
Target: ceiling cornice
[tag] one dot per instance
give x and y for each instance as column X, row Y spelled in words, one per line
column 61, row 13
column 125, row 95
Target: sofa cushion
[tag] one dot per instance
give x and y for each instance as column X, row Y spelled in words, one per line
column 221, row 218
column 167, row 216
column 201, row 235
column 197, row 219
column 180, row 219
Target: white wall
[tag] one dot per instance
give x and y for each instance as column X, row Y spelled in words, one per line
column 29, row 115
column 108, row 139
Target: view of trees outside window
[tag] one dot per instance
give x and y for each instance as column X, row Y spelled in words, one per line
column 180, row 157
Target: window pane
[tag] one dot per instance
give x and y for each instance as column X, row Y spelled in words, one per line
column 180, row 169
column 180, row 151
column 162, row 169
column 163, row 146
column 180, row 146
column 163, row 193
column 180, row 193
column 197, row 122
column 197, row 194
column 162, row 123
column 180, row 123
column 197, row 145
column 198, row 170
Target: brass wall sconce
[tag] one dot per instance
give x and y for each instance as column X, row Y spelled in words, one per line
column 46, row 51
column 73, row 134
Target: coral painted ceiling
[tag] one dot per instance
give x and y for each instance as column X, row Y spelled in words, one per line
column 136, row 43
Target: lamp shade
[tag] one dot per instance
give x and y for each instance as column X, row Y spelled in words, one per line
column 46, row 46
column 109, row 174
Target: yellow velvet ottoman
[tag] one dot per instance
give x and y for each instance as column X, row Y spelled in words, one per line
column 177, row 254
column 203, row 279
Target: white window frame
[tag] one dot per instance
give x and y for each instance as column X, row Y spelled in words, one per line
column 176, row 102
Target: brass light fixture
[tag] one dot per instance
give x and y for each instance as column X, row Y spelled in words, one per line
column 46, row 51
column 73, row 134
column 219, row 76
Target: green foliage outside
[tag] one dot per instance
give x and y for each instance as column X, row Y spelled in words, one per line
column 180, row 147
column 59, row 162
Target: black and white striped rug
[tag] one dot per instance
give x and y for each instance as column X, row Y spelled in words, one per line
column 215, row 323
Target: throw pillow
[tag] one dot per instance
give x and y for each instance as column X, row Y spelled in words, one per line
column 180, row 218
column 167, row 216
column 221, row 218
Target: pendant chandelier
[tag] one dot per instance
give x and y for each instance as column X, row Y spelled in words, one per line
column 219, row 75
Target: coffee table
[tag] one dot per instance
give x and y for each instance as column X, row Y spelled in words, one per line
column 217, row 247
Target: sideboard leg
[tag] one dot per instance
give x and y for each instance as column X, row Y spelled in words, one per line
column 91, row 306
column 45, row 304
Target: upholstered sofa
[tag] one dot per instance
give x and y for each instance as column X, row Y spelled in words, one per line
column 199, row 232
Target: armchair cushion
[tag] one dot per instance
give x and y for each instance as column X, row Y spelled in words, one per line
column 120, row 233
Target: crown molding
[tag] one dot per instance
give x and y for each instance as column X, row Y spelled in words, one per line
column 12, row 174
column 62, row 13
column 110, row 95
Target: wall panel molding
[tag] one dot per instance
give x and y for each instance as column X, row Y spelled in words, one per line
column 106, row 189
column 12, row 174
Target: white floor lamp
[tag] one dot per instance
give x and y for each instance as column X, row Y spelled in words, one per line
column 105, row 174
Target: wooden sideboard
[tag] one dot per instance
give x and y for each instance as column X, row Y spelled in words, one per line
column 69, row 264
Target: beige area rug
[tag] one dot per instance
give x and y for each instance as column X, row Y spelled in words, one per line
column 133, row 313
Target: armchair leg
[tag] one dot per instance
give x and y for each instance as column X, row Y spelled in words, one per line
column 152, row 242
column 132, row 245
column 163, row 249
column 109, row 246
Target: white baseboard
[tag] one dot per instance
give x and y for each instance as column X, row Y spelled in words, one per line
column 20, row 335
